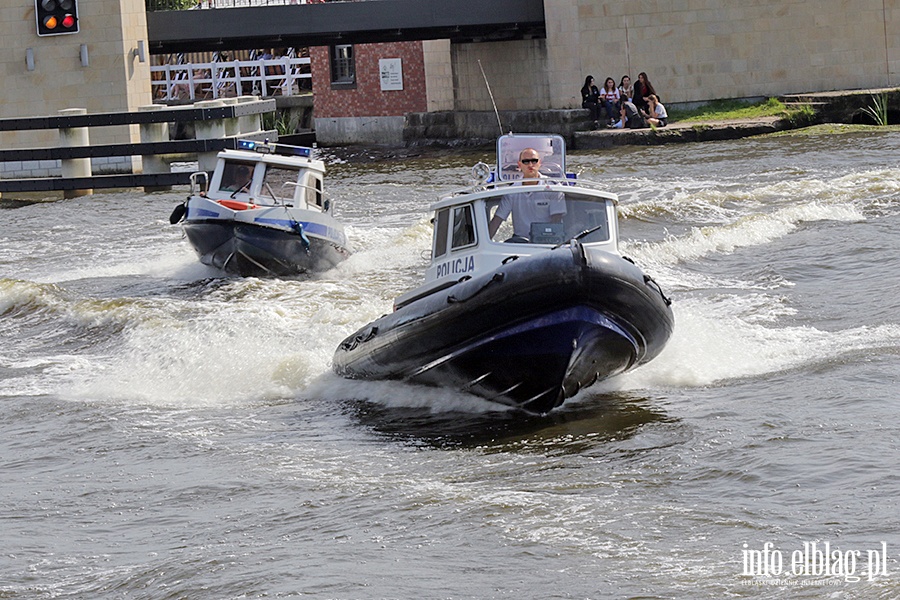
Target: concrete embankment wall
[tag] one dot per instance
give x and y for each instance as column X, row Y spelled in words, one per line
column 462, row 128
column 481, row 127
column 692, row 51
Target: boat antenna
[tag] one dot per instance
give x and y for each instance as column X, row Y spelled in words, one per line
column 488, row 85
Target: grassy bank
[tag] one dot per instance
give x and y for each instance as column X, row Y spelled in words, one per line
column 803, row 117
column 725, row 110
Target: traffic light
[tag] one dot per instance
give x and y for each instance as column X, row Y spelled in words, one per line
column 56, row 17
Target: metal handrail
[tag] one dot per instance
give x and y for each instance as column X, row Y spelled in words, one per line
column 156, row 5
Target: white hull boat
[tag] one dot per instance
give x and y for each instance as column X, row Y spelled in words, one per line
column 263, row 213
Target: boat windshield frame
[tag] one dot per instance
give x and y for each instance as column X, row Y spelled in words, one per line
column 589, row 208
column 586, row 217
column 293, row 191
column 591, row 187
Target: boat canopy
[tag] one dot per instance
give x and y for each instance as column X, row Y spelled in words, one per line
column 269, row 178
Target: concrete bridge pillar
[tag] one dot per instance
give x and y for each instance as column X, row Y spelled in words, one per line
column 72, row 137
column 249, row 123
column 210, row 129
column 154, row 132
column 232, row 126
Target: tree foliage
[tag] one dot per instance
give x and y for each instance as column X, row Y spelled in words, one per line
column 157, row 5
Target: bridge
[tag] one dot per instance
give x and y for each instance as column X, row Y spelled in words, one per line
column 372, row 21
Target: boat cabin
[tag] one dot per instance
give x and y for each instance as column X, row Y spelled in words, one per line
column 266, row 174
column 507, row 215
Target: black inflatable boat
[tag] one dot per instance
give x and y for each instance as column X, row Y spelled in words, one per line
column 528, row 321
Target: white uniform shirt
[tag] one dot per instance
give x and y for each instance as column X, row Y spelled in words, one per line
column 530, row 207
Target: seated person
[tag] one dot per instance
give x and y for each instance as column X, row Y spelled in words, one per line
column 629, row 117
column 590, row 98
column 528, row 207
column 236, row 178
column 656, row 116
column 610, row 97
column 623, row 118
column 626, row 90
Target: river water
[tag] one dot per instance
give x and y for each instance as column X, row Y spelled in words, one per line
column 166, row 432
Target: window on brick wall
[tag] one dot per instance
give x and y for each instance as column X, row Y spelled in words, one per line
column 343, row 67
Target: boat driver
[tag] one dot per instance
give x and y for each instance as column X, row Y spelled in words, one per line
column 236, row 178
column 528, row 207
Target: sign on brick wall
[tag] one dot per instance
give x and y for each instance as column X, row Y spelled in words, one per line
column 391, row 70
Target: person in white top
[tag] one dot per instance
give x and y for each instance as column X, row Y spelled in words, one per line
column 656, row 116
column 528, row 207
column 626, row 90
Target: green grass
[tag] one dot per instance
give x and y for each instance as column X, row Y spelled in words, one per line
column 279, row 121
column 833, row 129
column 721, row 110
column 878, row 110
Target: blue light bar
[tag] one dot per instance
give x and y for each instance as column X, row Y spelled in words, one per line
column 268, row 148
column 293, row 150
column 254, row 146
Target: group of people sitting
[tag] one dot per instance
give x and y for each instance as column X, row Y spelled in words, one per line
column 629, row 106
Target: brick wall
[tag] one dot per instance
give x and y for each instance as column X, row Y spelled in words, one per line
column 366, row 98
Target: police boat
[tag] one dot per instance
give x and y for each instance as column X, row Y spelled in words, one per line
column 525, row 314
column 263, row 213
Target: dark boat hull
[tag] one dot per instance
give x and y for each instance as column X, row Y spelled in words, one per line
column 529, row 335
column 251, row 250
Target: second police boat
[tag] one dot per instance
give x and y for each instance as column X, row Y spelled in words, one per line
column 524, row 313
column 263, row 213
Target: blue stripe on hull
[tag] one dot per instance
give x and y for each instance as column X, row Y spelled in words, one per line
column 309, row 227
column 250, row 250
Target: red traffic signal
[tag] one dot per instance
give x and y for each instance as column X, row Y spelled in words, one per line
column 56, row 17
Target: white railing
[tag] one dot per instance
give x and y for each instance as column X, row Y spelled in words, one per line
column 240, row 3
column 202, row 81
column 157, row 5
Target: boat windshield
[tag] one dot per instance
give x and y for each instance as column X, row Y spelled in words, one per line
column 550, row 148
column 547, row 217
column 277, row 183
column 236, row 176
